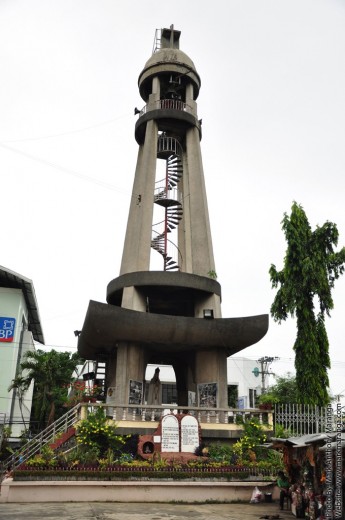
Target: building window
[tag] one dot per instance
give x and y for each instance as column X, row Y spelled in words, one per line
column 169, row 393
column 232, row 396
column 252, row 397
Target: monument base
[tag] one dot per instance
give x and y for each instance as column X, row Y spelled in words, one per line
column 176, row 438
column 105, row 491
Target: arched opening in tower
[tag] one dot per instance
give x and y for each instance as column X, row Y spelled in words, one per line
column 160, row 385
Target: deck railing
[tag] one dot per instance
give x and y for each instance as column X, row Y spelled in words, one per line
column 153, row 413
column 166, row 104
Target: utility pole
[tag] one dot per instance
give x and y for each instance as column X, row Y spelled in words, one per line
column 265, row 362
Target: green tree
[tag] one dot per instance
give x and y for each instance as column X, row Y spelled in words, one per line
column 284, row 391
column 20, row 385
column 52, row 373
column 311, row 267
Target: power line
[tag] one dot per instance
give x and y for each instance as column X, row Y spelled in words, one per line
column 38, row 346
column 67, row 132
column 82, row 176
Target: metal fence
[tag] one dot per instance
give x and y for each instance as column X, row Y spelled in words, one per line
column 300, row 419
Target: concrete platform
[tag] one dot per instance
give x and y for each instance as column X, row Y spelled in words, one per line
column 131, row 491
column 140, row 511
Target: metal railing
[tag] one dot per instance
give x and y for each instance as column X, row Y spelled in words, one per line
column 166, row 104
column 47, row 436
column 301, row 419
column 169, row 144
column 162, row 192
column 157, row 42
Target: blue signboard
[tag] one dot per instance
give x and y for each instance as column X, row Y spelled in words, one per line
column 242, row 402
column 7, row 326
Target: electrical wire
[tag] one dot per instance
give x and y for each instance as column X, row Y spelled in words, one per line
column 79, row 175
column 67, row 132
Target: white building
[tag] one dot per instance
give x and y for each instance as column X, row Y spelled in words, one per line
column 245, row 375
column 20, row 326
column 244, row 382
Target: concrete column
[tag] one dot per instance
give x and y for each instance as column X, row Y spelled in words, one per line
column 211, row 301
column 181, row 374
column 211, row 367
column 156, row 88
column 111, row 370
column 133, row 299
column 189, row 92
column 131, row 363
column 198, row 226
column 191, row 104
column 184, row 229
column 137, row 247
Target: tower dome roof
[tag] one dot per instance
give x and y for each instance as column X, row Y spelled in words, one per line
column 168, row 60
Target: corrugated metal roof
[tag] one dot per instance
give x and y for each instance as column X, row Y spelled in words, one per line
column 304, row 440
column 12, row 280
column 340, row 441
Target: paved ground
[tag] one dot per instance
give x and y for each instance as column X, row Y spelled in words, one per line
column 116, row 511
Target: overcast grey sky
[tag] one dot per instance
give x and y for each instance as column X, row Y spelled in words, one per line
column 273, row 111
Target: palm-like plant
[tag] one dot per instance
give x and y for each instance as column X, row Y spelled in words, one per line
column 20, row 385
column 52, row 373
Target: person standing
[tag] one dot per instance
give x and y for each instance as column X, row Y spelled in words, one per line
column 284, row 486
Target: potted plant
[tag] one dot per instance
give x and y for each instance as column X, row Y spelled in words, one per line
column 81, row 392
column 266, row 401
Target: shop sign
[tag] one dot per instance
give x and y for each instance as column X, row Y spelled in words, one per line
column 7, row 326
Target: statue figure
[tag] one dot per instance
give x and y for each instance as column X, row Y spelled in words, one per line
column 155, row 390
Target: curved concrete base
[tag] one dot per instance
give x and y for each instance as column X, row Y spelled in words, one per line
column 136, row 491
column 105, row 325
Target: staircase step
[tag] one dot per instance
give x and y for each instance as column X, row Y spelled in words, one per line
column 175, row 211
column 64, row 438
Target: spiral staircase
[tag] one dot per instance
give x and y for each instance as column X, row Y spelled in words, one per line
column 168, row 197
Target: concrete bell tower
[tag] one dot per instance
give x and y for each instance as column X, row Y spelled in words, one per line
column 173, row 315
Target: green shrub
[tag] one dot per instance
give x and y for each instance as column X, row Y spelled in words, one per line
column 248, row 447
column 96, row 432
column 220, row 453
column 38, row 461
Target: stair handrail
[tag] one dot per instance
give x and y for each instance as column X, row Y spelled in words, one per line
column 46, row 436
column 169, row 144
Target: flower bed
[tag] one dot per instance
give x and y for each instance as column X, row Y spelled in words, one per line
column 132, row 472
column 101, row 454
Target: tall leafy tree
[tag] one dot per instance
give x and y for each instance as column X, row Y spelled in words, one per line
column 52, row 373
column 311, row 267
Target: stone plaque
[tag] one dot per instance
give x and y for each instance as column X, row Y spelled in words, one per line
column 170, row 434
column 189, row 434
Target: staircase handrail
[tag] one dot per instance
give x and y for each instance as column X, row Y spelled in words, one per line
column 46, row 436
